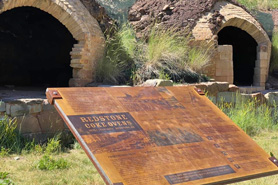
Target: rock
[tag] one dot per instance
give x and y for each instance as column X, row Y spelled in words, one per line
column 2, row 106
column 99, row 13
column 233, row 88
column 222, row 86
column 272, row 98
column 212, row 88
column 34, row 107
column 16, row 108
column 157, row 83
column 259, row 98
column 201, row 86
column 28, row 124
column 51, row 121
column 16, row 158
column 47, row 106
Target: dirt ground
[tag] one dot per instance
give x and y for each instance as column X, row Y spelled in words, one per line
column 181, row 14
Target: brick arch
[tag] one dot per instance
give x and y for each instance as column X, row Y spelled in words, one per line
column 84, row 28
column 257, row 33
column 263, row 50
column 234, row 16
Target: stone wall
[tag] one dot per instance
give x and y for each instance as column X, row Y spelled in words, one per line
column 36, row 118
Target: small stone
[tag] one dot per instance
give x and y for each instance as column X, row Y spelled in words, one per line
column 272, row 98
column 233, row 88
column 259, row 98
column 166, row 7
column 16, row 158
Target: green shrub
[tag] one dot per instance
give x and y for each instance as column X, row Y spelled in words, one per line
column 48, row 163
column 4, row 180
column 53, row 145
column 274, row 53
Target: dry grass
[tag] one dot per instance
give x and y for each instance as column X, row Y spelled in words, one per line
column 24, row 171
column 82, row 171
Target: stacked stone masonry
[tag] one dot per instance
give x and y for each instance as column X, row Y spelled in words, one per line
column 237, row 17
column 35, row 118
column 83, row 27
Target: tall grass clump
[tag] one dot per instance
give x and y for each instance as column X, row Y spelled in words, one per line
column 250, row 115
column 167, row 52
column 10, row 139
column 274, row 53
column 116, row 66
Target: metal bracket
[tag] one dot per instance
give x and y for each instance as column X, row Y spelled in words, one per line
column 52, row 95
column 274, row 160
column 199, row 91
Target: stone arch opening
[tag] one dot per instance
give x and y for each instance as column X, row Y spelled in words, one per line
column 244, row 53
column 84, row 28
column 35, row 49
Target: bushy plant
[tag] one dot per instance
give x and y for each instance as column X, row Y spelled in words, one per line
column 274, row 53
column 48, row 163
column 116, row 66
column 53, row 145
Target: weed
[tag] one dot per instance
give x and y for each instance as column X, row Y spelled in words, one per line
column 9, row 137
column 76, row 145
column 48, row 163
column 250, row 116
column 4, row 152
column 53, row 145
column 4, row 180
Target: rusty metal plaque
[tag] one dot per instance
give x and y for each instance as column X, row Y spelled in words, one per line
column 167, row 135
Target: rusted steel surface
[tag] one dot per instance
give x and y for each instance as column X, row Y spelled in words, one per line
column 172, row 135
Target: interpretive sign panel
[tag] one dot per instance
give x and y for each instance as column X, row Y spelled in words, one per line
column 166, row 135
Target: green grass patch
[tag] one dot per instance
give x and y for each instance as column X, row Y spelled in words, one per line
column 49, row 163
column 259, row 4
column 250, row 116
